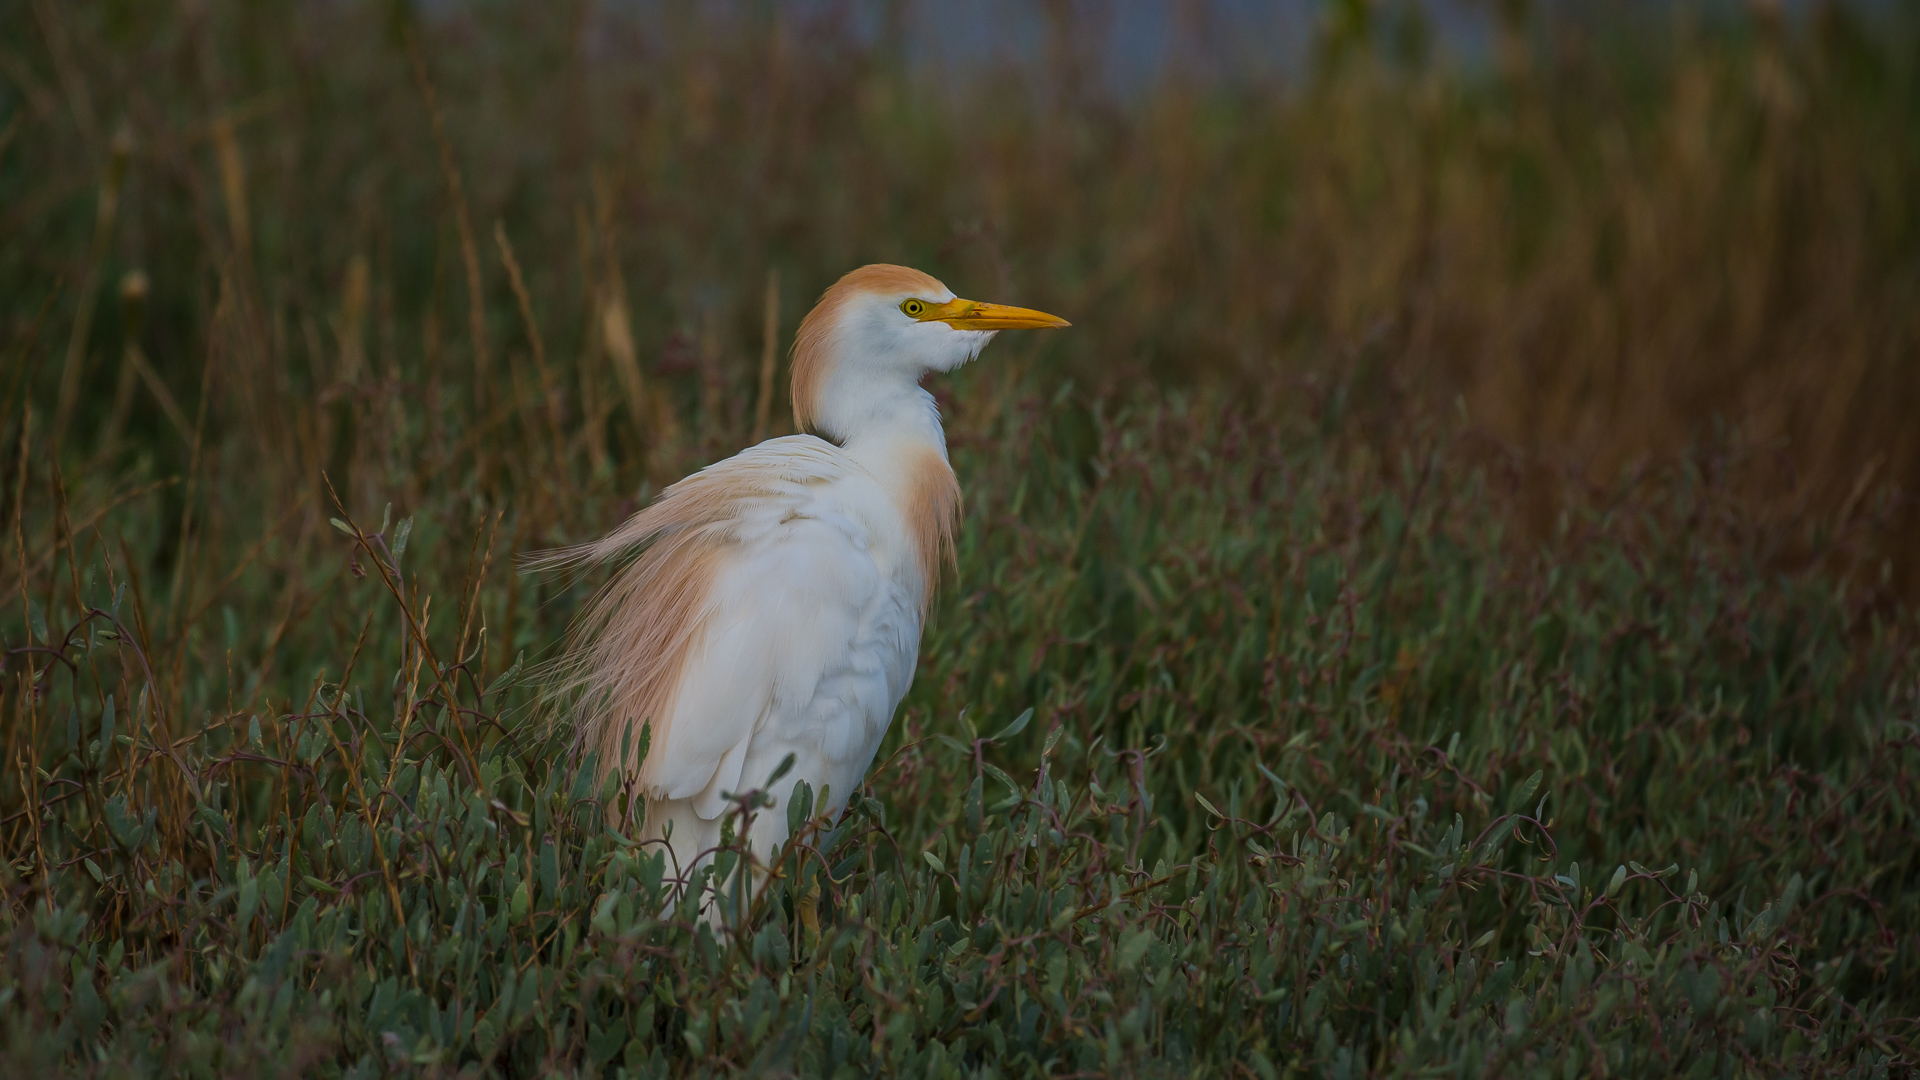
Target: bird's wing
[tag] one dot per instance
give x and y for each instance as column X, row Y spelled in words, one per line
column 749, row 590
column 783, row 629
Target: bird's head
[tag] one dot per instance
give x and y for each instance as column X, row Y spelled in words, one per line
column 880, row 329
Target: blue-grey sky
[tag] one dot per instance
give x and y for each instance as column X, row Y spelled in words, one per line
column 1139, row 37
column 1129, row 43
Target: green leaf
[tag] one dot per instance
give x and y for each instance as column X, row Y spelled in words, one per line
column 549, row 874
column 602, row 1045
column 934, row 861
column 1795, row 885
column 799, row 807
column 1524, row 792
column 603, row 913
column 248, row 903
column 1209, row 807
column 529, row 994
column 1133, row 948
column 1498, row 836
column 1619, row 878
column 505, row 679
column 1279, row 786
column 1001, row 776
column 343, row 527
column 951, row 743
column 1019, row 725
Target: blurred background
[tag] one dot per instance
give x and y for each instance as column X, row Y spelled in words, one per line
column 562, row 247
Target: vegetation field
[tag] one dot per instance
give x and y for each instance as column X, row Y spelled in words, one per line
column 1445, row 609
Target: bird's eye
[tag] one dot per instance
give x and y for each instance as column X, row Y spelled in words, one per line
column 914, row 308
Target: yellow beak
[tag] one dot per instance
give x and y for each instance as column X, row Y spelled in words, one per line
column 973, row 315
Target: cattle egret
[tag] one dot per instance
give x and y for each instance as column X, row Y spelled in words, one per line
column 773, row 602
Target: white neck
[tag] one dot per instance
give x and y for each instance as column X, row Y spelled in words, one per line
column 868, row 411
column 890, row 428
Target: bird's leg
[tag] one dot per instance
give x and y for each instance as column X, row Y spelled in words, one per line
column 760, row 835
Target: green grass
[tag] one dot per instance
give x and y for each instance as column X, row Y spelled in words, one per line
column 1321, row 775
column 1293, row 708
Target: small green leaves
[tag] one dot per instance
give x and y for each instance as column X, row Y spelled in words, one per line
column 412, row 865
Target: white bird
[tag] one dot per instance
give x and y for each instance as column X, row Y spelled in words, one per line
column 776, row 599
